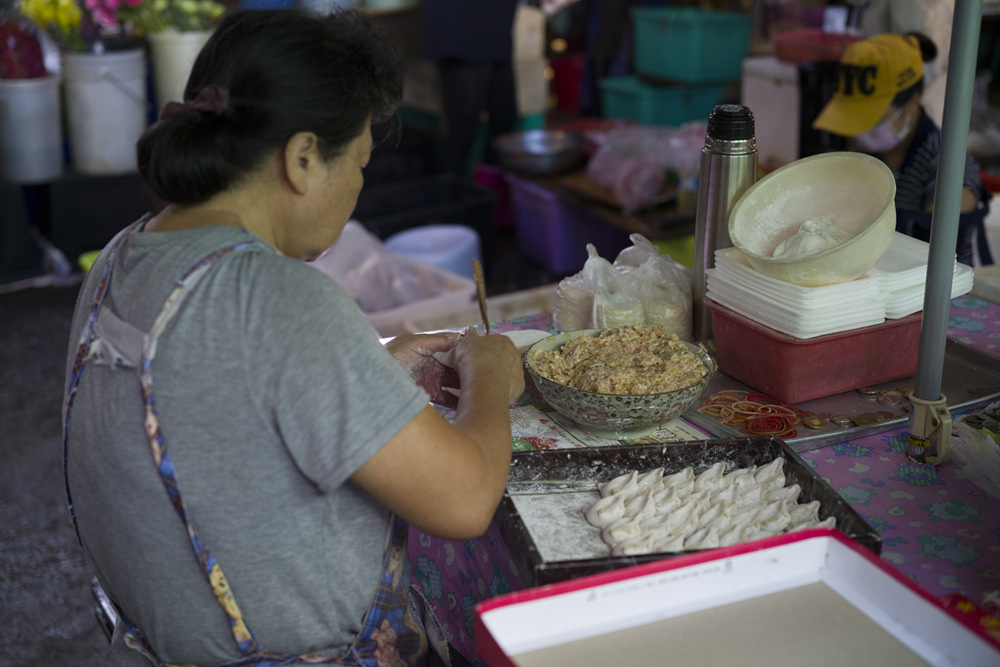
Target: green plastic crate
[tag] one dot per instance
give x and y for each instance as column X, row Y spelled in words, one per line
column 630, row 98
column 689, row 45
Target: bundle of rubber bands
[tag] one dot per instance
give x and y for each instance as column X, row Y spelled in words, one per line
column 753, row 413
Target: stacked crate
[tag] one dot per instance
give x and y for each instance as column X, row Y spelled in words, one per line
column 683, row 58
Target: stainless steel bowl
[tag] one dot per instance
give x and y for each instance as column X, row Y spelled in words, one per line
column 540, row 152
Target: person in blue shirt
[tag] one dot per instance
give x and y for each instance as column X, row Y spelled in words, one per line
column 877, row 106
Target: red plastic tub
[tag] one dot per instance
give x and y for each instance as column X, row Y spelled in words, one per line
column 795, row 370
column 811, row 45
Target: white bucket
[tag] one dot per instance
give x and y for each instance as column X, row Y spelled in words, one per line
column 173, row 54
column 327, row 6
column 448, row 247
column 106, row 109
column 31, row 149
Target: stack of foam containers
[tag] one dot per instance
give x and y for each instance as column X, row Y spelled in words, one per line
column 893, row 289
column 902, row 273
column 799, row 312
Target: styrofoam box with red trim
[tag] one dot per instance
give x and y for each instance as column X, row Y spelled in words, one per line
column 808, row 598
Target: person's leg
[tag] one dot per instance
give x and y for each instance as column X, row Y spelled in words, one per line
column 463, row 88
column 501, row 105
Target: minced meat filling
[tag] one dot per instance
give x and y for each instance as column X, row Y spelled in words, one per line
column 635, row 359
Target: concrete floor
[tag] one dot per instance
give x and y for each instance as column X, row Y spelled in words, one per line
column 46, row 616
column 46, row 606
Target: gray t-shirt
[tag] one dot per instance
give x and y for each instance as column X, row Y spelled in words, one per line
column 272, row 389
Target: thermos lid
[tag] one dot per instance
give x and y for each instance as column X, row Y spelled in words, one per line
column 731, row 122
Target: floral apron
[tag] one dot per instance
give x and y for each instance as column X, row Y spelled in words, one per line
column 393, row 632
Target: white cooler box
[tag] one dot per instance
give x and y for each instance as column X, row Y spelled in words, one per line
column 807, row 598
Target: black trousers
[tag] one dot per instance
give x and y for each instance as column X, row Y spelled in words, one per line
column 468, row 90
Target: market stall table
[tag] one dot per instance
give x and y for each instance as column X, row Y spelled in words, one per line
column 937, row 527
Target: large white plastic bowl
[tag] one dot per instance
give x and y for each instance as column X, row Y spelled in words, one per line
column 855, row 191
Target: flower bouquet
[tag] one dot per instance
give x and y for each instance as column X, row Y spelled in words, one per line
column 154, row 16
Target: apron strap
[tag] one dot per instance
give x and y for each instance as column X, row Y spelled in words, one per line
column 109, row 339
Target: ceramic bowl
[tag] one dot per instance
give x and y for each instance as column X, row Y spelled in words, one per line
column 613, row 415
column 855, row 191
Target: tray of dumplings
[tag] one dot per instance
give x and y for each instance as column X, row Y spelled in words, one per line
column 569, row 513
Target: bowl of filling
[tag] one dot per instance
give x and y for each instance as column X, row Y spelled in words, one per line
column 820, row 220
column 621, row 382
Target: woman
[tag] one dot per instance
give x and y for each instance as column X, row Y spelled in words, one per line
column 878, row 105
column 243, row 512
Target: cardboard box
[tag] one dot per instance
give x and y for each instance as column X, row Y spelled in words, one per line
column 808, row 598
column 550, row 541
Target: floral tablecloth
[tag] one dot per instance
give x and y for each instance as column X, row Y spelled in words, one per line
column 938, row 528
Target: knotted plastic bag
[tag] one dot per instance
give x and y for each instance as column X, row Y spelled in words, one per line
column 575, row 297
column 616, row 300
column 640, row 287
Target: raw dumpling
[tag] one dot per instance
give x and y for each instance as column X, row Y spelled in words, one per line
column 705, row 538
column 772, row 470
column 785, row 493
column 807, row 513
column 711, row 512
column 682, row 478
column 727, row 494
column 751, row 497
column 710, row 479
column 606, row 510
column 618, row 483
column 681, row 517
column 744, row 517
column 642, row 504
column 671, row 544
column 734, row 534
column 621, row 530
column 650, row 479
column 773, row 517
column 634, row 547
column 667, row 501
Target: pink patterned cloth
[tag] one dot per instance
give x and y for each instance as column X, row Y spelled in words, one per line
column 938, row 528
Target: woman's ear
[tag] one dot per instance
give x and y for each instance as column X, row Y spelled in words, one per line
column 301, row 160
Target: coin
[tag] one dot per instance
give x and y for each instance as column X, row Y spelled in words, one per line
column 865, row 419
column 868, row 393
column 841, row 420
column 814, row 422
column 890, row 397
column 884, row 415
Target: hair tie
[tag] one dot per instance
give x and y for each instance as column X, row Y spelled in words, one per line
column 213, row 97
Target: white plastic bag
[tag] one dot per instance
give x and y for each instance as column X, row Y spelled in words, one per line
column 616, row 301
column 575, row 297
column 640, row 287
column 377, row 278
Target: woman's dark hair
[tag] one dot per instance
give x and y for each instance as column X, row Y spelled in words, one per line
column 286, row 71
column 928, row 52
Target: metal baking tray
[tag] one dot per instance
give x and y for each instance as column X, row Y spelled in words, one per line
column 541, row 514
column 970, row 381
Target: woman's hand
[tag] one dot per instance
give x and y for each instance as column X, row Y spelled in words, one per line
column 447, row 478
column 415, row 353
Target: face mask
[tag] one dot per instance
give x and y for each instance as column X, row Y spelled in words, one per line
column 883, row 137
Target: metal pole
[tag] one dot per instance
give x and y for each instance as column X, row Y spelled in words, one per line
column 930, row 421
column 948, row 196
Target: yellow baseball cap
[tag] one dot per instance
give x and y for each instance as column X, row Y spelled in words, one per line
column 872, row 72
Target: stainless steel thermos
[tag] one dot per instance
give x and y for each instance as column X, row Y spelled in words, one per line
column 728, row 168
